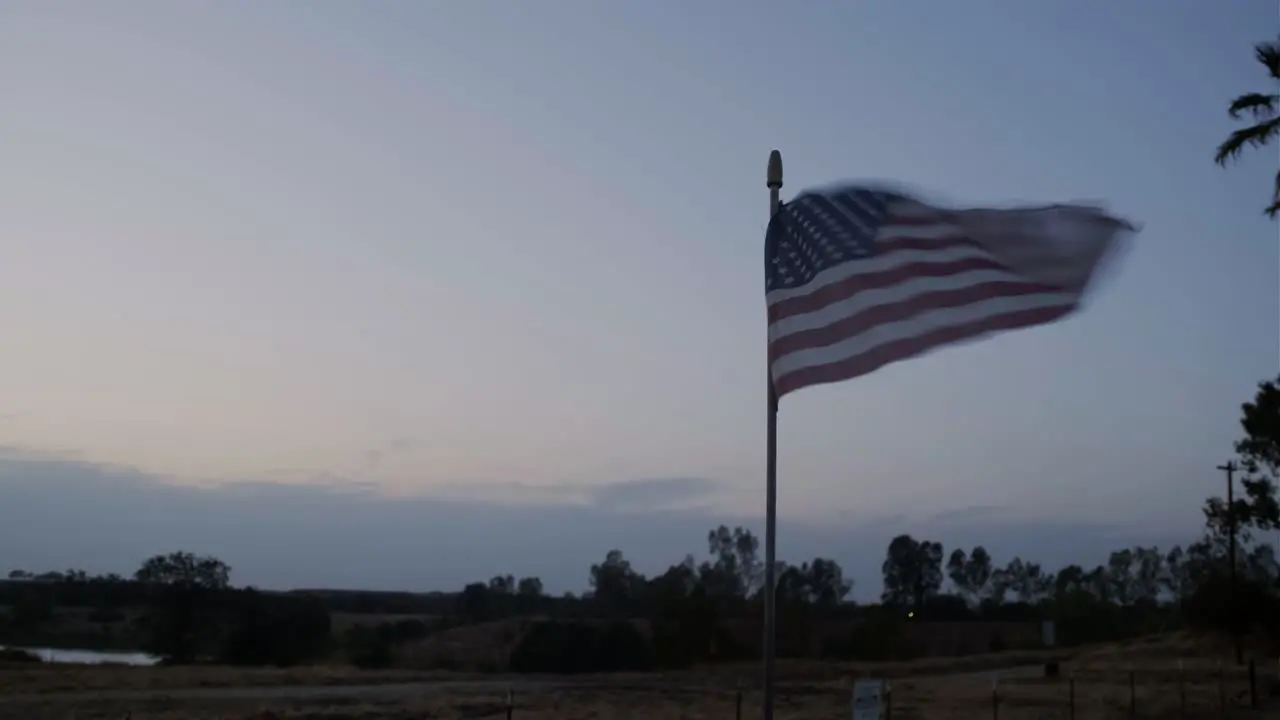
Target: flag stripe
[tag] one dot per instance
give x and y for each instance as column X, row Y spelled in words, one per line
column 858, row 314
column 858, row 278
column 845, row 367
column 936, row 243
column 890, row 285
column 854, row 302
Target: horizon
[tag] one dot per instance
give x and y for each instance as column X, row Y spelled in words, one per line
column 421, row 294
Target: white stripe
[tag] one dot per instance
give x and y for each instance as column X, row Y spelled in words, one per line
column 886, row 261
column 919, row 325
column 867, row 299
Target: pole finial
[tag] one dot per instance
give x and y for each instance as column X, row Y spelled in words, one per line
column 774, row 177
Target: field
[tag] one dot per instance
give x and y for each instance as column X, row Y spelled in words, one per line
column 1162, row 671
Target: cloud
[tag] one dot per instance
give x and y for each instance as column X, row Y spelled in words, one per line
column 58, row 511
column 672, row 493
column 970, row 514
column 374, row 457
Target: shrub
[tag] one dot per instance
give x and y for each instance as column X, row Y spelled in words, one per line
column 275, row 630
column 106, row 616
column 18, row 655
column 572, row 647
column 368, row 648
column 406, row 630
column 997, row 643
column 876, row 638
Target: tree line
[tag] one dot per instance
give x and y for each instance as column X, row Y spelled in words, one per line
column 184, row 607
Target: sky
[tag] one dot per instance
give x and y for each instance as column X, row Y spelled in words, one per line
column 408, row 294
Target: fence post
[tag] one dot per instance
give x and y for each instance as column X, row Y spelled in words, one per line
column 995, row 697
column 1253, row 684
column 1133, row 695
column 1071, row 697
column 511, row 702
column 888, row 700
column 737, row 713
column 1182, row 693
column 1222, row 691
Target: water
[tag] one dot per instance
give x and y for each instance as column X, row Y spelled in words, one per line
column 91, row 657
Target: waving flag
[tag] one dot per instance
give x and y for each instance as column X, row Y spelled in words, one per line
column 859, row 277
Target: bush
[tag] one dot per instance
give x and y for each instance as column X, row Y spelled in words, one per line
column 106, row 616
column 570, row 647
column 368, row 648
column 17, row 655
column 275, row 630
column 876, row 638
column 406, row 630
column 1212, row 607
column 31, row 608
column 997, row 643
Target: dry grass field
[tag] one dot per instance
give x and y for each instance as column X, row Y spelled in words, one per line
column 52, row 679
column 1164, row 672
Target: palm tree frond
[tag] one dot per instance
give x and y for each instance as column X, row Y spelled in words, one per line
column 1265, row 109
column 1273, row 210
column 1255, row 135
column 1262, row 107
column 1269, row 55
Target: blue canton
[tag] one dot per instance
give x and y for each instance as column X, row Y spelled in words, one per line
column 819, row 230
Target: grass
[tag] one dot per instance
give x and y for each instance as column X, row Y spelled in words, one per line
column 45, row 678
column 935, row 689
column 32, row 678
column 954, row 698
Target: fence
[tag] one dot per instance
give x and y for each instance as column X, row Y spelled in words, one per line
column 1186, row 694
column 1088, row 694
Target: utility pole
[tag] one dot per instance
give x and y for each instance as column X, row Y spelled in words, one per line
column 1230, row 470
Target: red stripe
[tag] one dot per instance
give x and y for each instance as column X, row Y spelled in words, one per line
column 838, row 291
column 902, row 310
column 850, row 286
column 936, row 218
column 882, row 355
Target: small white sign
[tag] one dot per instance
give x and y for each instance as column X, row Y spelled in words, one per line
column 868, row 700
column 1047, row 633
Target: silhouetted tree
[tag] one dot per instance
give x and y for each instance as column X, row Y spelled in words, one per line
column 820, row 583
column 1263, row 109
column 1025, row 579
column 970, row 574
column 1260, row 565
column 912, row 571
column 185, row 570
column 529, row 587
column 502, row 585
column 277, row 630
column 1259, row 452
column 616, row 586
column 184, row 590
column 475, row 603
column 736, row 570
column 1174, row 579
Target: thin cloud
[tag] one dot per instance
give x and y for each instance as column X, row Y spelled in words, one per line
column 57, row 512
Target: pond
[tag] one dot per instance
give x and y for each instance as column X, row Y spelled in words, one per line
column 90, row 657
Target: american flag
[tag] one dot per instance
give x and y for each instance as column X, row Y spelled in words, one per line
column 858, row 277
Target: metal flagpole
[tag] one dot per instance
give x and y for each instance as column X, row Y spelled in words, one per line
column 774, row 182
column 1230, row 470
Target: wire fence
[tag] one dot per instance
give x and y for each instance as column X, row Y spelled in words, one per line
column 1089, row 694
column 1203, row 692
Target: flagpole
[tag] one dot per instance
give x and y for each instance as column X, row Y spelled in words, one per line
column 774, row 182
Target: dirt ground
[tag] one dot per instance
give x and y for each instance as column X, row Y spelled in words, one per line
column 1159, row 678
column 1022, row 694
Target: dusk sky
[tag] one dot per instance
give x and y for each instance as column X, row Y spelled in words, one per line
column 406, row 294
